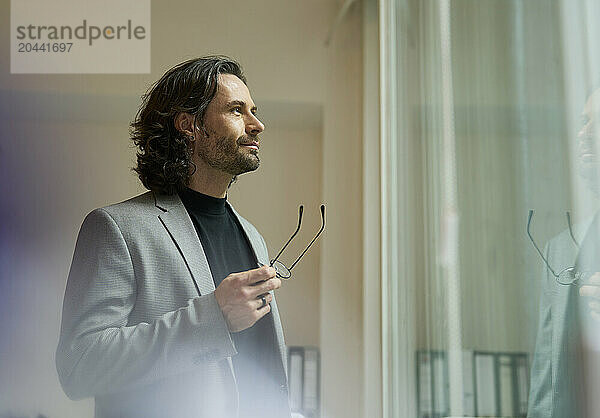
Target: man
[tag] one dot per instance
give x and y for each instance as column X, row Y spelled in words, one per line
column 569, row 314
column 167, row 312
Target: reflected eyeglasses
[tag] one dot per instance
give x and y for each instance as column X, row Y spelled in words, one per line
column 569, row 275
column 282, row 270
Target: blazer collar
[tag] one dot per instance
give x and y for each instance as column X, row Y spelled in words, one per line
column 178, row 223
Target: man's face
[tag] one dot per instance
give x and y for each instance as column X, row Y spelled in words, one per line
column 228, row 138
column 588, row 144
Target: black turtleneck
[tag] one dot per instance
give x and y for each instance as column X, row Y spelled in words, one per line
column 224, row 242
column 257, row 364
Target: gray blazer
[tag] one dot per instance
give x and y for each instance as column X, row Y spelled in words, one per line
column 141, row 329
column 555, row 383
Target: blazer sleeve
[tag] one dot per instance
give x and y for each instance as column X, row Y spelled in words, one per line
column 540, row 390
column 98, row 351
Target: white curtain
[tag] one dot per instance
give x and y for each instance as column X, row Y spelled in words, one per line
column 481, row 108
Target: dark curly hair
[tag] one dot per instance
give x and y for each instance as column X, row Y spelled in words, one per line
column 164, row 161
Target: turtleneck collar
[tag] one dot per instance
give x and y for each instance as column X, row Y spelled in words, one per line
column 202, row 203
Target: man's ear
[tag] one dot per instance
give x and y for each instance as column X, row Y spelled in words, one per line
column 184, row 123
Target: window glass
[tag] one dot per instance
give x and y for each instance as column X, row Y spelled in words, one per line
column 494, row 116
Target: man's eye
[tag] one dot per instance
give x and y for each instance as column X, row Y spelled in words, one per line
column 237, row 110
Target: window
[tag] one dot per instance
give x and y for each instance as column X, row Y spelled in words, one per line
column 488, row 112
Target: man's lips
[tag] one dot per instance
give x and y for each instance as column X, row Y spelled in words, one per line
column 253, row 145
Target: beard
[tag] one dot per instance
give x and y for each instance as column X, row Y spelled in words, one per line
column 228, row 155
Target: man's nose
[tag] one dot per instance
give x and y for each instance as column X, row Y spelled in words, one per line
column 254, row 126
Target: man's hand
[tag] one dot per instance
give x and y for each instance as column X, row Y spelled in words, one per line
column 239, row 296
column 591, row 290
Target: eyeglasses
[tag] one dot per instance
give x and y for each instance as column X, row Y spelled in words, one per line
column 567, row 276
column 282, row 270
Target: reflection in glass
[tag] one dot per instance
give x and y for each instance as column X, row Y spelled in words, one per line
column 568, row 275
column 484, row 103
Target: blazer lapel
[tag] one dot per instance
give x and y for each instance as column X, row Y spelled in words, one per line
column 566, row 316
column 178, row 223
column 253, row 239
column 262, row 256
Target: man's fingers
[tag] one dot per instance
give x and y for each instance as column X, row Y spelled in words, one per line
column 594, row 306
column 594, row 279
column 263, row 311
column 258, row 301
column 259, row 274
column 590, row 291
column 265, row 287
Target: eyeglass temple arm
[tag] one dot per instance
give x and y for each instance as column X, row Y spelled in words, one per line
column 314, row 239
column 571, row 229
column 535, row 245
column 300, row 211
